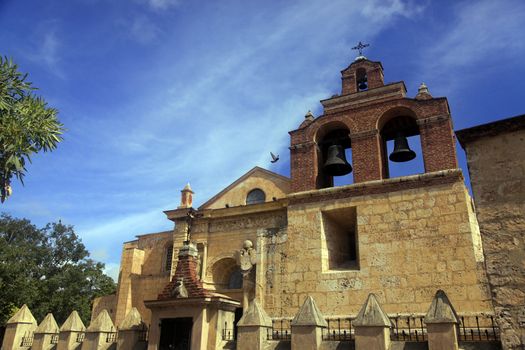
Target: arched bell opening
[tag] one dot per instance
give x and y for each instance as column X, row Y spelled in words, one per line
column 334, row 154
column 401, row 151
column 361, row 80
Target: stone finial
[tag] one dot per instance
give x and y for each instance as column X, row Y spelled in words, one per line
column 423, row 93
column 48, row 325
column 23, row 315
column 255, row 316
column 309, row 315
column 441, row 310
column 309, row 116
column 102, row 323
column 186, row 197
column 73, row 323
column 371, row 314
column 132, row 321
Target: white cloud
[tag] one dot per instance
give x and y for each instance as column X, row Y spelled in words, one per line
column 163, row 4
column 480, row 34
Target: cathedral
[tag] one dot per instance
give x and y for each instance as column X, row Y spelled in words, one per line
column 342, row 255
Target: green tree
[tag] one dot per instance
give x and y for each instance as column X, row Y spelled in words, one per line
column 49, row 269
column 27, row 125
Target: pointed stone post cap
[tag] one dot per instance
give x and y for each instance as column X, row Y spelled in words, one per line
column 371, row 314
column 132, row 321
column 23, row 315
column 255, row 316
column 102, row 323
column 48, row 325
column 73, row 323
column 441, row 310
column 309, row 315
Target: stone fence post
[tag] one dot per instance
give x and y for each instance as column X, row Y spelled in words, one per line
column 100, row 333
column 46, row 335
column 71, row 333
column 130, row 331
column 372, row 326
column 252, row 328
column 20, row 326
column 307, row 327
column 441, row 320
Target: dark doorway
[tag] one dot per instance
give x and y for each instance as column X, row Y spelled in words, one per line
column 175, row 333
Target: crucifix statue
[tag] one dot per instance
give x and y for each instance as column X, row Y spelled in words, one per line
column 246, row 259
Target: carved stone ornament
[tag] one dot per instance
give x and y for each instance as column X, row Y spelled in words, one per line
column 246, row 257
column 180, row 290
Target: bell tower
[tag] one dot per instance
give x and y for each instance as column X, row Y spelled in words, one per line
column 364, row 117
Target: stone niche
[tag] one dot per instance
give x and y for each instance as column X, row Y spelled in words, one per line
column 339, row 239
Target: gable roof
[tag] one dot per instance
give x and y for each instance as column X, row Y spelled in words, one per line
column 253, row 171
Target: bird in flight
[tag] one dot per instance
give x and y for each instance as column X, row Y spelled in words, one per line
column 275, row 158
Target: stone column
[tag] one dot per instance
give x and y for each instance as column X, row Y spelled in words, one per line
column 372, row 326
column 307, row 327
column 130, row 331
column 441, row 320
column 21, row 325
column 45, row 334
column 98, row 333
column 253, row 328
column 70, row 332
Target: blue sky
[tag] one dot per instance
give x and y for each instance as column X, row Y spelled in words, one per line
column 156, row 93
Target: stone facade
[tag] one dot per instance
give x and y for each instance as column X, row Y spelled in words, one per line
column 496, row 161
column 392, row 242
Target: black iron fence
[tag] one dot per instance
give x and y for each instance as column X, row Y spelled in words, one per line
column 281, row 330
column 80, row 337
column 408, row 328
column 228, row 334
column 339, row 329
column 478, row 328
column 27, row 339
column 111, row 337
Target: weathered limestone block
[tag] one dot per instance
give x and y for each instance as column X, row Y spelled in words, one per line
column 21, row 325
column 372, row 326
column 252, row 328
column 441, row 321
column 307, row 326
column 45, row 334
column 99, row 333
column 131, row 331
column 70, row 331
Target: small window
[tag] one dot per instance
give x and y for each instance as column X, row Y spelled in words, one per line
column 169, row 258
column 255, row 196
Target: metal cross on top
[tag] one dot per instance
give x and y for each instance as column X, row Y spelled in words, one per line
column 360, row 48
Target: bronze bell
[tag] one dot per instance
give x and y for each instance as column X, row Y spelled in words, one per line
column 362, row 85
column 401, row 152
column 336, row 164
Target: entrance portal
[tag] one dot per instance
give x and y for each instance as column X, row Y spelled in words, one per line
column 175, row 333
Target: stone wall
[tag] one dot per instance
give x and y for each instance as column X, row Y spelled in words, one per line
column 411, row 242
column 496, row 161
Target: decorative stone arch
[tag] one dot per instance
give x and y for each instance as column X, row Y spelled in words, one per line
column 225, row 273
